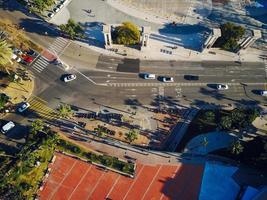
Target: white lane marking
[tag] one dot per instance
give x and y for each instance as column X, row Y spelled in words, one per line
column 84, row 75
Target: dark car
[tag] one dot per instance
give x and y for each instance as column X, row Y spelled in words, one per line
column 191, row 77
column 32, row 53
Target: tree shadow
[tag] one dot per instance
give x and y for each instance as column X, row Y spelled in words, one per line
column 40, row 27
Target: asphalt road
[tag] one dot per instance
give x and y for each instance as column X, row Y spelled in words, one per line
column 111, row 88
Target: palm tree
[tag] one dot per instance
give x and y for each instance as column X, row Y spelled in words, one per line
column 237, row 147
column 226, row 122
column 5, row 53
column 65, row 111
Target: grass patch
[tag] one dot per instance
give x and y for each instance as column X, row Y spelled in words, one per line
column 108, row 161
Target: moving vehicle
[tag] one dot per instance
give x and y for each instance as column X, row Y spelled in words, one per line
column 263, row 93
column 222, row 87
column 7, row 127
column 69, row 78
column 191, row 77
column 23, row 107
column 167, row 79
column 149, row 76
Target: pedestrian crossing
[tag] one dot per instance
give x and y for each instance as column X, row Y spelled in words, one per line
column 59, row 45
column 40, row 64
column 56, row 48
column 39, row 107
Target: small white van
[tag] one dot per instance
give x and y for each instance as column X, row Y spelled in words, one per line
column 263, row 93
column 7, row 127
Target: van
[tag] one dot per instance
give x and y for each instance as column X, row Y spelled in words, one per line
column 7, row 127
column 263, row 93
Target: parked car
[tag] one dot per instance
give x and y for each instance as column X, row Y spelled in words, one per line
column 191, row 77
column 69, row 78
column 27, row 59
column 167, row 79
column 59, row 6
column 51, row 14
column 32, row 53
column 24, row 106
column 15, row 58
column 222, row 87
column 149, row 76
column 56, row 9
column 263, row 93
column 7, row 127
column 18, row 51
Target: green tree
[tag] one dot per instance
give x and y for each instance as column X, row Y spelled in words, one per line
column 36, row 126
column 231, row 34
column 65, row 111
column 131, row 136
column 237, row 147
column 5, row 53
column 72, row 29
column 3, row 100
column 39, row 5
column 127, row 34
column 226, row 122
column 209, row 116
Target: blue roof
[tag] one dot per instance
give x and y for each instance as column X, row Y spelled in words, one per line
column 249, row 193
column 217, row 182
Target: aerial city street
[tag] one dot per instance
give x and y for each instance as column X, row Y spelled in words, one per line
column 133, row 99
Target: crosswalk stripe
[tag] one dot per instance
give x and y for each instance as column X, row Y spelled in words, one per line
column 42, row 62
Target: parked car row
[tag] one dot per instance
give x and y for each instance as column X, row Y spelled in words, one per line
column 24, row 57
column 57, row 8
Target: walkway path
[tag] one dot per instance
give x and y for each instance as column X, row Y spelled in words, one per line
column 180, row 129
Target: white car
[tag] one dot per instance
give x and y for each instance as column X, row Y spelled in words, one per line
column 23, row 107
column 7, row 127
column 263, row 93
column 69, row 78
column 15, row 57
column 167, row 79
column 222, row 87
column 149, row 76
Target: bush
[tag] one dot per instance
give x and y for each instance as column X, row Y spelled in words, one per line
column 127, row 34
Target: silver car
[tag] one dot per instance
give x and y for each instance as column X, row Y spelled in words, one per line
column 69, row 78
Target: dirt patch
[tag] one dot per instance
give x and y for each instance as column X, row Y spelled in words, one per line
column 20, row 91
